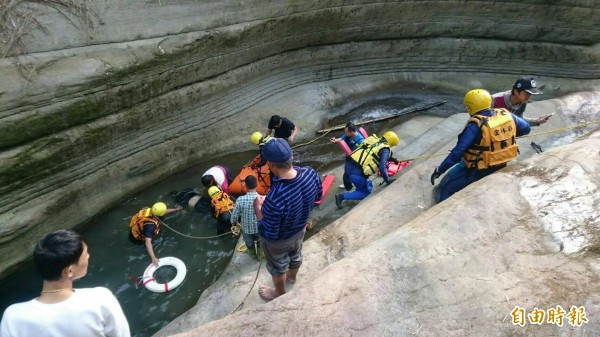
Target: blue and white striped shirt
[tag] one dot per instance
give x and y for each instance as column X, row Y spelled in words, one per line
column 288, row 204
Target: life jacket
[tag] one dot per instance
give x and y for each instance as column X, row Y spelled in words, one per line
column 258, row 160
column 264, row 140
column 366, row 155
column 498, row 143
column 221, row 203
column 136, row 225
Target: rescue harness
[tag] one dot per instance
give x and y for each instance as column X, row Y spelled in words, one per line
column 221, row 203
column 366, row 155
column 142, row 217
column 498, row 143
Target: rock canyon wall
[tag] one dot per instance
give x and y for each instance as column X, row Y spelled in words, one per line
column 95, row 107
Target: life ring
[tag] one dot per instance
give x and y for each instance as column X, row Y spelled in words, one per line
column 345, row 147
column 150, row 283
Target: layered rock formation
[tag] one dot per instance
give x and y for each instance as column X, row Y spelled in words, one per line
column 92, row 115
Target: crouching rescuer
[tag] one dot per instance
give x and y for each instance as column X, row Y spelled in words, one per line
column 486, row 144
column 366, row 160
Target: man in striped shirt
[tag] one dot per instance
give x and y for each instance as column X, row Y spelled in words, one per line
column 244, row 211
column 282, row 215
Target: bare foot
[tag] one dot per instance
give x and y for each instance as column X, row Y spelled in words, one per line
column 267, row 293
column 290, row 279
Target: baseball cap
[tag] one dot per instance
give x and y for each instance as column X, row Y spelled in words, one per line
column 528, row 85
column 277, row 150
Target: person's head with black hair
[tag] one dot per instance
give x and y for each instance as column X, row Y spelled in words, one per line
column 275, row 121
column 57, row 251
column 62, row 257
column 208, row 180
column 350, row 130
column 251, row 182
column 523, row 89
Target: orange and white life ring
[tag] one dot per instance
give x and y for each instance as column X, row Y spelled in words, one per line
column 150, row 283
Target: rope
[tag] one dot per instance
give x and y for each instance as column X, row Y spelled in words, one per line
column 405, row 111
column 236, row 229
column 314, row 140
column 526, row 136
column 561, row 129
column 326, row 131
column 262, row 177
column 424, row 156
column 242, row 248
column 249, row 291
column 193, row 237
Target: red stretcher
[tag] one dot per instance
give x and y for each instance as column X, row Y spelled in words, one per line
column 327, row 182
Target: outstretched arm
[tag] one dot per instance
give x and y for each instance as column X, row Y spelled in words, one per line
column 171, row 210
column 148, row 243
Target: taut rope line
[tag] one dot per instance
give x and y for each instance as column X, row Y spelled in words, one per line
column 526, row 136
column 193, row 237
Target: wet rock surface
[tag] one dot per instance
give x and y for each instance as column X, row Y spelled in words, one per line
column 92, row 116
column 396, row 264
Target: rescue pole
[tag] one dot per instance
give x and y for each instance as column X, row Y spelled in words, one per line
column 402, row 112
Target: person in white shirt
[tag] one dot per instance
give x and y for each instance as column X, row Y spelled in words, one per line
column 62, row 311
column 217, row 176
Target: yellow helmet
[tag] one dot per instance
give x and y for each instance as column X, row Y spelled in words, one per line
column 213, row 190
column 392, row 138
column 477, row 100
column 159, row 209
column 256, row 137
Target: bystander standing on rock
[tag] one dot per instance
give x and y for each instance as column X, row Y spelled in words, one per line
column 245, row 213
column 282, row 215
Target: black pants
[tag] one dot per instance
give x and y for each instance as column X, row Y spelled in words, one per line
column 224, row 222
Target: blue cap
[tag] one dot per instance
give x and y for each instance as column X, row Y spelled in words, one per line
column 277, row 150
